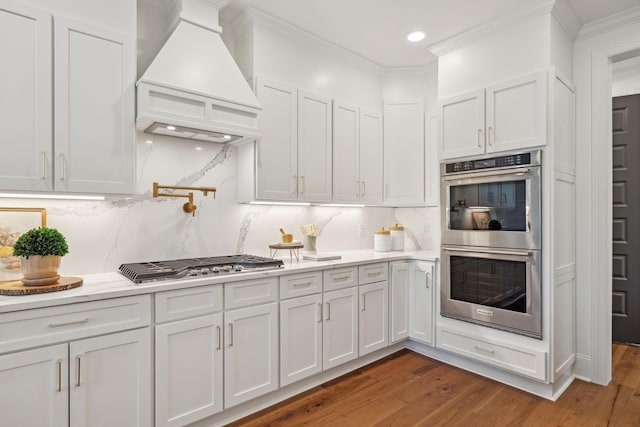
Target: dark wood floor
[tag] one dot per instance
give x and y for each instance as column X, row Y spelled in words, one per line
column 407, row 389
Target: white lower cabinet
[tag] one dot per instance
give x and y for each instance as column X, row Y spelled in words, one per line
column 373, row 321
column 250, row 353
column 300, row 338
column 340, row 327
column 399, row 301
column 110, row 380
column 189, row 383
column 34, row 388
column 421, row 311
column 101, row 381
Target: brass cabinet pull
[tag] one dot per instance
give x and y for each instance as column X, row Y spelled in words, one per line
column 320, row 312
column 364, row 188
column 489, row 135
column 44, row 165
column 358, row 189
column 73, row 322
column 479, row 136
column 78, row 371
column 62, row 167
column 219, row 331
column 59, row 362
column 364, row 302
column 230, row 334
column 341, row 279
column 328, row 310
column 300, row 285
column 426, row 282
column 302, row 178
column 484, row 350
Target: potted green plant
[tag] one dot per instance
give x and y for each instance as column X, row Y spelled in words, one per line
column 40, row 250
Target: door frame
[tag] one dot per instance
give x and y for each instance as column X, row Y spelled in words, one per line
column 597, row 46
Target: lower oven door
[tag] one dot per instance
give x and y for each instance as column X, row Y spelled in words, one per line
column 498, row 288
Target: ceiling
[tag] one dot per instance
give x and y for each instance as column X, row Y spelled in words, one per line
column 377, row 29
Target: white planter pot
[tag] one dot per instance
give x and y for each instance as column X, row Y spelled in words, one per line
column 40, row 270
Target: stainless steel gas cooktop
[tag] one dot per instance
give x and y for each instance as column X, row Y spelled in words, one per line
column 141, row 272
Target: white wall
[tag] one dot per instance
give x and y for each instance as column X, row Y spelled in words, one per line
column 512, row 52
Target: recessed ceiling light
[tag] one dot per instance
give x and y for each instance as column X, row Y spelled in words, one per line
column 416, row 36
column 227, row 137
column 198, row 148
column 149, row 141
column 171, row 127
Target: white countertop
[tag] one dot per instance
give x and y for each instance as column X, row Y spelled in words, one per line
column 113, row 285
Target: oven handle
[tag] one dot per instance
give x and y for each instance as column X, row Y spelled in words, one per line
column 516, row 171
column 490, row 251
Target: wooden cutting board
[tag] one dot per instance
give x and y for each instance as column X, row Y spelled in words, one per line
column 16, row 287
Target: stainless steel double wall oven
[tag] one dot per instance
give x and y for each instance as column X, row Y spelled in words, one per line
column 491, row 242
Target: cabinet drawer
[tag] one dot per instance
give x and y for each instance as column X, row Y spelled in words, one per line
column 524, row 361
column 370, row 273
column 28, row 328
column 250, row 292
column 340, row 278
column 185, row 303
column 295, row 285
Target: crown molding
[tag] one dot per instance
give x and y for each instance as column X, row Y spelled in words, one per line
column 253, row 17
column 490, row 28
column 610, row 23
column 567, row 18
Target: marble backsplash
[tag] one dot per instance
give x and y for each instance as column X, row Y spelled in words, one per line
column 103, row 234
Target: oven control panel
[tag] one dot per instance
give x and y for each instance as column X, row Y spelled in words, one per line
column 523, row 159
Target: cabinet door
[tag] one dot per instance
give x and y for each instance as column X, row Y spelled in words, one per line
column 517, row 113
column 340, row 327
column 34, row 388
column 110, row 380
column 25, row 90
column 403, row 153
column 462, row 125
column 277, row 155
column 300, row 338
column 374, row 317
column 188, row 370
column 370, row 157
column 314, row 147
column 421, row 309
column 346, row 156
column 399, row 301
column 94, row 109
column 250, row 353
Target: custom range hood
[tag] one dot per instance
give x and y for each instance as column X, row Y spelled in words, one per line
column 193, row 88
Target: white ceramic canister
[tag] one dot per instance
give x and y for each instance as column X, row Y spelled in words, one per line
column 382, row 240
column 397, row 237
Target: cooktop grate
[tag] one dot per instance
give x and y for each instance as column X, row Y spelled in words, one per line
column 172, row 269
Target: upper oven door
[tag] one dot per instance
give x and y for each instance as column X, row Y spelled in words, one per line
column 496, row 208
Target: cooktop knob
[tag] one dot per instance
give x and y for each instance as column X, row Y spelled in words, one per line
column 226, row 268
column 238, row 267
column 215, row 269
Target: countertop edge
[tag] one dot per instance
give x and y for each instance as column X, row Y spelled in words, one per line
column 100, row 286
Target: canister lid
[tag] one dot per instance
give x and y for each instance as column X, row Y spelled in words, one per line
column 382, row 231
column 396, row 227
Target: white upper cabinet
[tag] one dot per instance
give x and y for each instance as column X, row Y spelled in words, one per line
column 404, row 153
column 370, row 156
column 94, row 109
column 507, row 116
column 25, row 90
column 277, row 150
column 357, row 154
column 462, row 125
column 91, row 71
column 314, row 147
column 293, row 157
